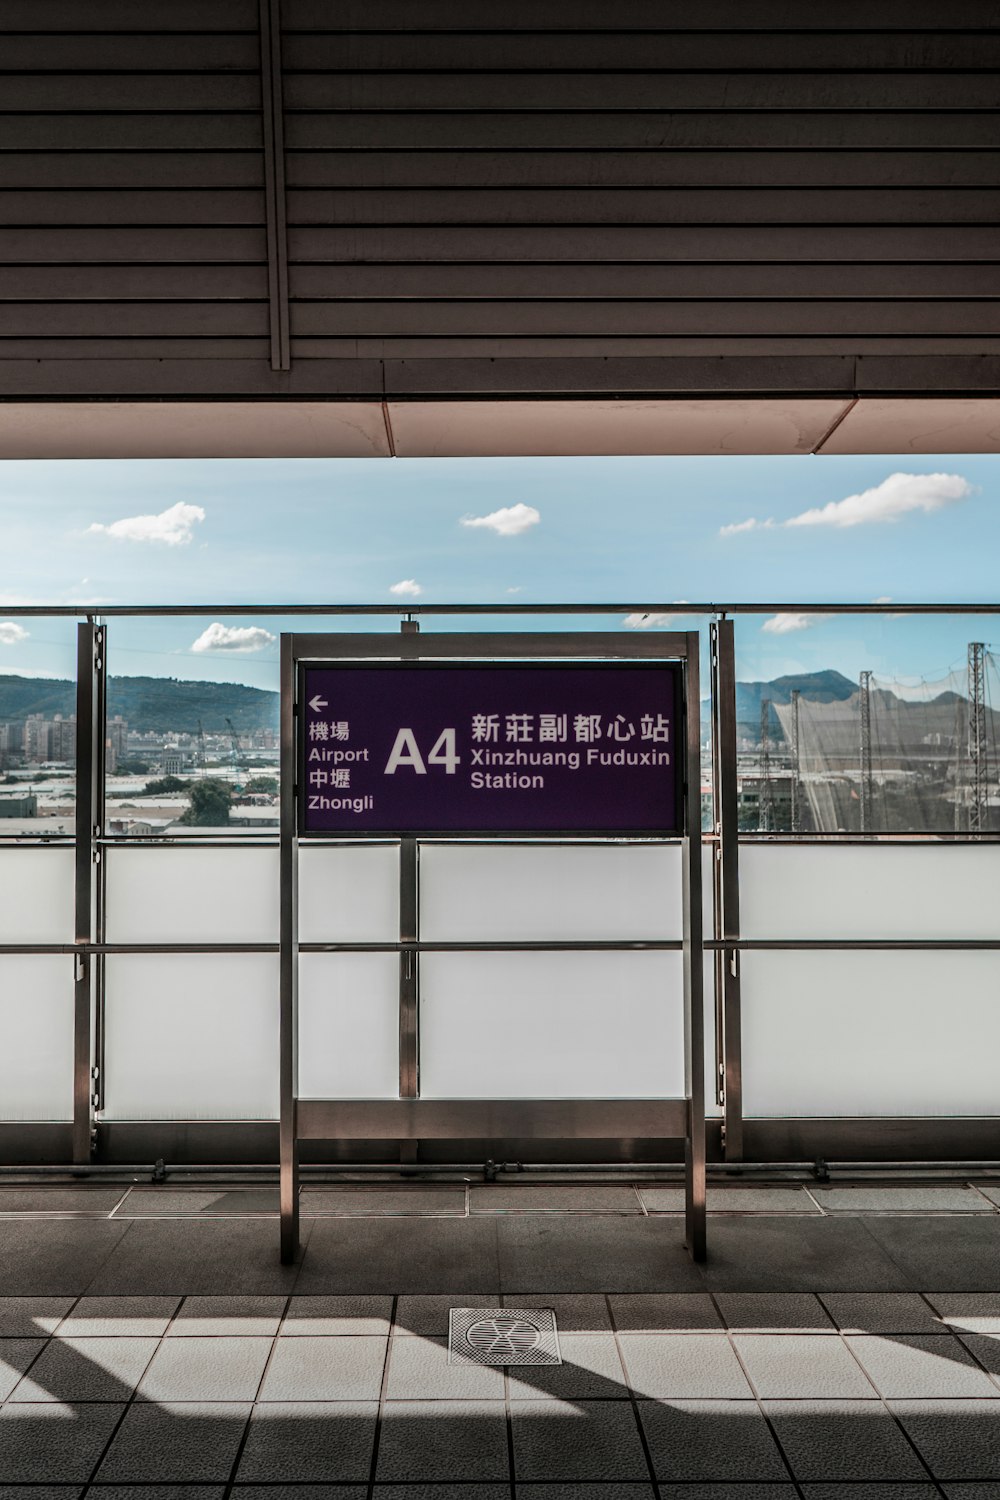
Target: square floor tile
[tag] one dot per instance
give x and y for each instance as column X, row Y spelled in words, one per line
column 198, row 1256
column 589, row 1198
column 40, row 1491
column 48, row 1443
column 118, row 1317
column 448, row 1492
column 16, row 1355
column 591, row 1369
column 609, row 1490
column 895, row 1200
column 665, row 1312
column 56, row 1257
column 74, row 1370
column 921, row 1365
column 872, row 1492
column 330, row 1316
column 985, row 1347
column 215, row 1317
column 843, row 1440
column 732, row 1200
column 881, row 1312
column 213, row 1369
column 308, row 1441
column 690, row 1366
column 592, row 1441
column 991, row 1191
column 327, row 1202
column 420, row 1316
column 801, row 1365
column 710, row 1440
column 581, row 1312
column 178, row 1443
column 729, row 1492
column 443, row 1440
column 31, row 1317
column 774, row 1312
column 323, row 1369
column 157, row 1492
column 970, row 1312
column 961, row 1250
column 419, row 1371
column 956, row 1439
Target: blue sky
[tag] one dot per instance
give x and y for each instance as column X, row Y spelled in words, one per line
column 549, row 530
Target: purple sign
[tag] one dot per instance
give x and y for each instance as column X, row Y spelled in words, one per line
column 423, row 748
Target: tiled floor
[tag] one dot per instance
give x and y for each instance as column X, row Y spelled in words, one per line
column 839, row 1342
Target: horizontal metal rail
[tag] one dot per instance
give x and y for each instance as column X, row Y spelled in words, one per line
column 397, row 611
column 532, row 945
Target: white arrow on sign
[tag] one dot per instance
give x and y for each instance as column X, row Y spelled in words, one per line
column 318, row 703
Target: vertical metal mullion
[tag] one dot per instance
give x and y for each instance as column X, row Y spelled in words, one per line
column 409, row 929
column 727, row 908
column 289, row 961
column 100, row 875
column 694, row 960
column 89, row 743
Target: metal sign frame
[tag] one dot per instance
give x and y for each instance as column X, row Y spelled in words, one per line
column 409, row 1118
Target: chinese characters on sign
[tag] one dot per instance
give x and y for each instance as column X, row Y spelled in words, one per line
column 423, row 748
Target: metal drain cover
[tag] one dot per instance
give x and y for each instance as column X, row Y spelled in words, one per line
column 503, row 1336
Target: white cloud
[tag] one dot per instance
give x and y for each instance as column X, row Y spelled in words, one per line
column 784, row 624
column 894, row 497
column 173, row 527
column 888, row 501
column 752, row 524
column 407, row 587
column 517, row 589
column 651, row 621
column 239, row 638
column 11, row 633
column 511, row 520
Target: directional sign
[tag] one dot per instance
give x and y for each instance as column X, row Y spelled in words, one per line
column 427, row 748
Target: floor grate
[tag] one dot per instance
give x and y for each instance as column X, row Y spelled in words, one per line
column 503, row 1336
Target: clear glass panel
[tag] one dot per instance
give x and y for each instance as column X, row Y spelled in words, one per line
column 934, row 890
column 867, row 723
column 481, row 892
column 195, row 751
column 551, row 1025
column 192, row 1036
column 36, row 894
column 37, row 726
column 191, row 895
column 870, row 1033
column 36, row 1037
column 349, row 1026
column 349, row 895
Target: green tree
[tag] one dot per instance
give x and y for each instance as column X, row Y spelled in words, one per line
column 210, row 803
column 262, row 784
column 163, row 784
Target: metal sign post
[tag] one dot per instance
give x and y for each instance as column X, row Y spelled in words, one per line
column 455, row 736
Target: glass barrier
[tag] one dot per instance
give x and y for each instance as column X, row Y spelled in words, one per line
column 875, row 1033
column 191, row 1037
column 348, row 893
column 870, row 890
column 37, row 728
column 551, row 1025
column 349, row 1026
column 556, row 893
column 36, row 894
column 185, row 895
column 36, row 1037
column 867, row 724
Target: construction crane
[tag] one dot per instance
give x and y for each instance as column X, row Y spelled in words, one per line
column 867, row 783
column 236, row 756
column 979, row 789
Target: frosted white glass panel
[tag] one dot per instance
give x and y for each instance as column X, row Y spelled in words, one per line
column 551, row 1025
column 171, row 895
column 36, row 1037
column 869, row 891
column 871, row 1033
column 36, row 895
column 349, row 895
column 479, row 892
column 349, row 1026
column 192, row 1037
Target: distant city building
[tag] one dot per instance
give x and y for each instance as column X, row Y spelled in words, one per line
column 173, row 762
column 24, row 805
